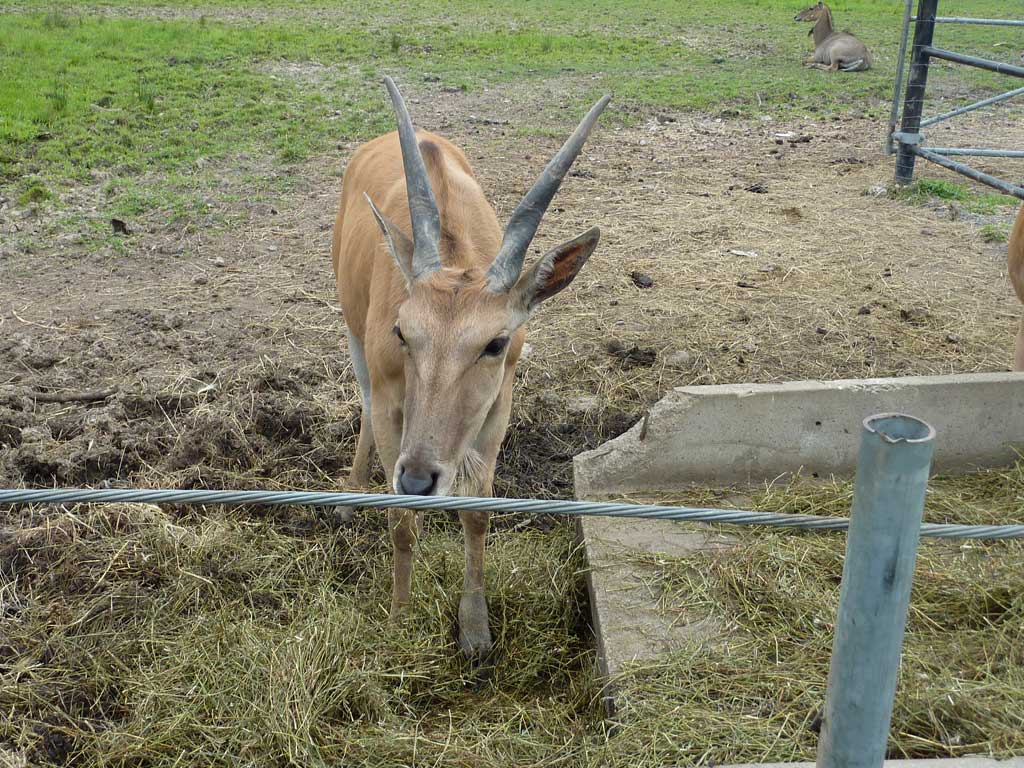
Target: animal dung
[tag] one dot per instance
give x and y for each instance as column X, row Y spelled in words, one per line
column 631, row 356
column 640, row 280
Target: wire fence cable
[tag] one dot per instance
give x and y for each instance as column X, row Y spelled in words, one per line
column 491, row 504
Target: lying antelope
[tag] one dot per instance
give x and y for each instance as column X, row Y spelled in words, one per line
column 833, row 50
column 436, row 308
column 1015, row 266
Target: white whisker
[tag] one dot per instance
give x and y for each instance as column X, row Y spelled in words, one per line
column 470, row 479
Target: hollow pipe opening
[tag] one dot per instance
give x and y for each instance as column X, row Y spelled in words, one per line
column 896, row 427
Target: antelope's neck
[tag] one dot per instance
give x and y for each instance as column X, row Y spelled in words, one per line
column 823, row 27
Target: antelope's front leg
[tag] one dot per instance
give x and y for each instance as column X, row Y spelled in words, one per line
column 404, row 527
column 359, row 476
column 403, row 524
column 474, row 631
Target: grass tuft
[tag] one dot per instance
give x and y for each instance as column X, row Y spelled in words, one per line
column 995, row 233
column 57, row 20
column 57, row 96
column 145, row 93
column 35, row 191
column 929, row 190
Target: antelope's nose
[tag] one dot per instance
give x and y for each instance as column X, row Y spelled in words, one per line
column 416, row 482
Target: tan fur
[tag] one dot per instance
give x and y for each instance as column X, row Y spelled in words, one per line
column 1015, row 267
column 438, row 404
column 833, row 50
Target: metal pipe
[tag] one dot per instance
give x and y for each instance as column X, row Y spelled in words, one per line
column 913, row 101
column 888, row 500
column 967, row 20
column 974, row 61
column 972, row 173
column 971, row 107
column 894, row 112
column 977, row 151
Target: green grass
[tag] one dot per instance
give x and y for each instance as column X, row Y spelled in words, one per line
column 80, row 91
column 930, row 190
column 35, row 191
column 132, row 93
column 995, row 233
column 144, row 101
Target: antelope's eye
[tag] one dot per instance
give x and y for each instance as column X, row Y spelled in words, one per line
column 398, row 333
column 495, row 346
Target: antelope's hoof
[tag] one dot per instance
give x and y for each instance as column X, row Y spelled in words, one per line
column 474, row 633
column 476, row 644
column 398, row 611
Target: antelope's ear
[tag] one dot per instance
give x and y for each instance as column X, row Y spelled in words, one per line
column 399, row 245
column 553, row 272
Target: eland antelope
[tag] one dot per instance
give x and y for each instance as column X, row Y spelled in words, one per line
column 833, row 50
column 435, row 300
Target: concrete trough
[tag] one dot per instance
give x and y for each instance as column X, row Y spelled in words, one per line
column 748, row 433
column 743, row 433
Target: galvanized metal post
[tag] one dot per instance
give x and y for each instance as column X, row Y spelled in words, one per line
column 901, row 60
column 913, row 103
column 892, row 474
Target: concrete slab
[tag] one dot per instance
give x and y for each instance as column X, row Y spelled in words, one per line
column 629, row 623
column 740, row 433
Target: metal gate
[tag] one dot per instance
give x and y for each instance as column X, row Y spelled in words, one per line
column 908, row 143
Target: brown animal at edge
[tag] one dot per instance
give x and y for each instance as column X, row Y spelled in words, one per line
column 436, row 301
column 1015, row 267
column 833, row 50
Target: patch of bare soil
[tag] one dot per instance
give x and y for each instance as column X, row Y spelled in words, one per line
column 731, row 251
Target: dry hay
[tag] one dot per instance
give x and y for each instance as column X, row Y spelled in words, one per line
column 757, row 697
column 136, row 634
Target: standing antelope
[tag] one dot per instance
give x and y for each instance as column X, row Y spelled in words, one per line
column 435, row 329
column 1015, row 266
column 833, row 50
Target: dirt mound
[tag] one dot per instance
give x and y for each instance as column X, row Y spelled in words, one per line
column 261, row 426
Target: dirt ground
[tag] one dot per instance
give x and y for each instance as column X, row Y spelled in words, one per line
column 214, row 355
